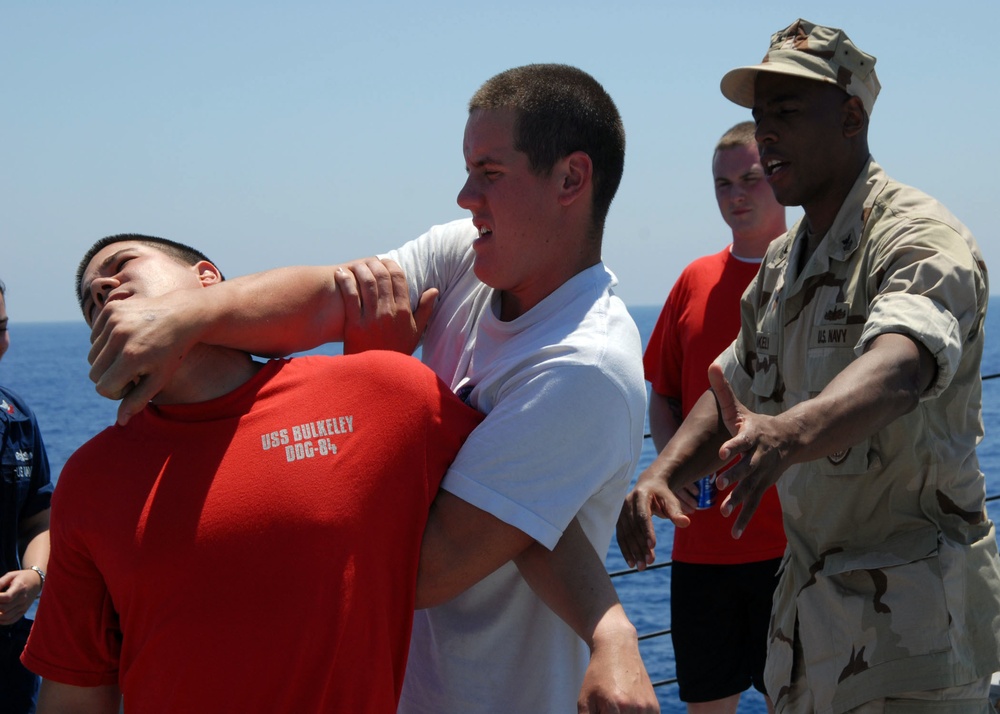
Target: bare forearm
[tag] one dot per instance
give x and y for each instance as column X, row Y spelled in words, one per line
column 33, row 536
column 664, row 419
column 877, row 388
column 273, row 313
column 462, row 544
column 693, row 451
column 56, row 698
column 873, row 391
column 37, row 552
column 572, row 580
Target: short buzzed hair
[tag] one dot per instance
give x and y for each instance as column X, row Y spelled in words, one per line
column 561, row 109
column 739, row 135
column 182, row 253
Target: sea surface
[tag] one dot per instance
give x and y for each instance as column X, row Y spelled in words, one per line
column 47, row 365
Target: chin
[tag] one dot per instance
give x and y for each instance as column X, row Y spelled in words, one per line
column 786, row 198
column 490, row 278
column 481, row 269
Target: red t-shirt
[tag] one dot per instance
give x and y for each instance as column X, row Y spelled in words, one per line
column 700, row 319
column 257, row 552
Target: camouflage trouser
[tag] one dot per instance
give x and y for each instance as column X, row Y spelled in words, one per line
column 967, row 699
column 970, row 698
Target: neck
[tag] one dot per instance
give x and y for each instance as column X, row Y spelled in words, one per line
column 564, row 266
column 754, row 247
column 822, row 212
column 514, row 304
column 818, row 222
column 208, row 372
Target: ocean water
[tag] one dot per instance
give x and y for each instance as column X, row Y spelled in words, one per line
column 47, row 365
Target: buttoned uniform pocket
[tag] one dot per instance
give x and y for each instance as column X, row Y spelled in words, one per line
column 830, row 352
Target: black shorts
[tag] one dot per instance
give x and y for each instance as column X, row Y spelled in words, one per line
column 719, row 616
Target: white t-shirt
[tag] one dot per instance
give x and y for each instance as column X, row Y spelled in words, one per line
column 563, row 387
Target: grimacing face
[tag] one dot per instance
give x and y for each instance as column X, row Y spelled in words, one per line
column 130, row 268
column 514, row 209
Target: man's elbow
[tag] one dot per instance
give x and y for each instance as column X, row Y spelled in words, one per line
column 921, row 376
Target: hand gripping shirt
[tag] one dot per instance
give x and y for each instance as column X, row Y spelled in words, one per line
column 563, row 391
column 254, row 553
column 891, row 582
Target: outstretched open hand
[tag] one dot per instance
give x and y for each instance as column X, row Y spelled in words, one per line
column 762, row 442
column 650, row 497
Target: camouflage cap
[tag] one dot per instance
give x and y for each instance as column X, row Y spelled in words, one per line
column 803, row 49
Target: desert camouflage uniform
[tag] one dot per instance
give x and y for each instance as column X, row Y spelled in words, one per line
column 891, row 581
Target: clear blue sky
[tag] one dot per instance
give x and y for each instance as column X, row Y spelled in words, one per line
column 272, row 133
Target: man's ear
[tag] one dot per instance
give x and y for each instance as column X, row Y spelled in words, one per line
column 208, row 274
column 576, row 176
column 855, row 117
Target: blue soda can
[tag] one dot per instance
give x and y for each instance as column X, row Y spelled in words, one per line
column 706, row 492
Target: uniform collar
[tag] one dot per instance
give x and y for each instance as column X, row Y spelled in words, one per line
column 844, row 235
